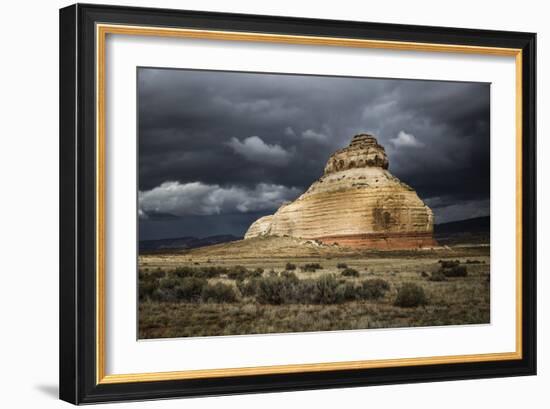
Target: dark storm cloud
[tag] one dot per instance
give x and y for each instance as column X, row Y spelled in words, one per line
column 209, row 139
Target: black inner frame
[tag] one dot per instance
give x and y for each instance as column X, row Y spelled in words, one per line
column 77, row 204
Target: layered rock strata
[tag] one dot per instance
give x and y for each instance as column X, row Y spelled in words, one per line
column 356, row 203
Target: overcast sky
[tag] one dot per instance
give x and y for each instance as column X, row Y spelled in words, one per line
column 219, row 149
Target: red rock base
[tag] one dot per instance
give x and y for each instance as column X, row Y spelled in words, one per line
column 382, row 241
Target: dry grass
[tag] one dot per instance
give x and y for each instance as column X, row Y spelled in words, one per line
column 456, row 301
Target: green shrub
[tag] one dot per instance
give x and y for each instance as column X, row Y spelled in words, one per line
column 218, row 293
column 189, row 289
column 350, row 272
column 233, row 272
column 311, row 267
column 437, row 276
column 146, row 288
column 328, row 290
column 274, row 290
column 237, row 273
column 341, row 265
column 248, row 288
column 325, row 290
column 214, row 271
column 163, row 295
column 456, row 271
column 256, row 272
column 346, row 292
column 373, row 289
column 289, row 275
column 290, row 267
column 449, row 263
column 410, row 295
column 148, row 283
column 168, row 283
column 144, row 274
column 302, row 292
column 211, row 272
column 182, row 272
column 172, row 289
column 288, row 289
column 198, row 272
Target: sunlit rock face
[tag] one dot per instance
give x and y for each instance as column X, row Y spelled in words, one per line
column 259, row 228
column 356, row 203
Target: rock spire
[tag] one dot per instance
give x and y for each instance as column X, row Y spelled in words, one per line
column 357, row 202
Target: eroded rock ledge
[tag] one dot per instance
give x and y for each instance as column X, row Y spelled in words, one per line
column 356, row 203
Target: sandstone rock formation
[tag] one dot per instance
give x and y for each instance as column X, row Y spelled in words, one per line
column 356, row 203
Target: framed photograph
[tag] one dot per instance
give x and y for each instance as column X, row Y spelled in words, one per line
column 257, row 203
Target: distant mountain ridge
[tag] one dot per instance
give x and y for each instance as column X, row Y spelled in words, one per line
column 476, row 230
column 187, row 242
column 475, row 225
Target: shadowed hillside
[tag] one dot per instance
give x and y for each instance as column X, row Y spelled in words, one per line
column 470, row 231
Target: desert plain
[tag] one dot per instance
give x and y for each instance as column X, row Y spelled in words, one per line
column 284, row 284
